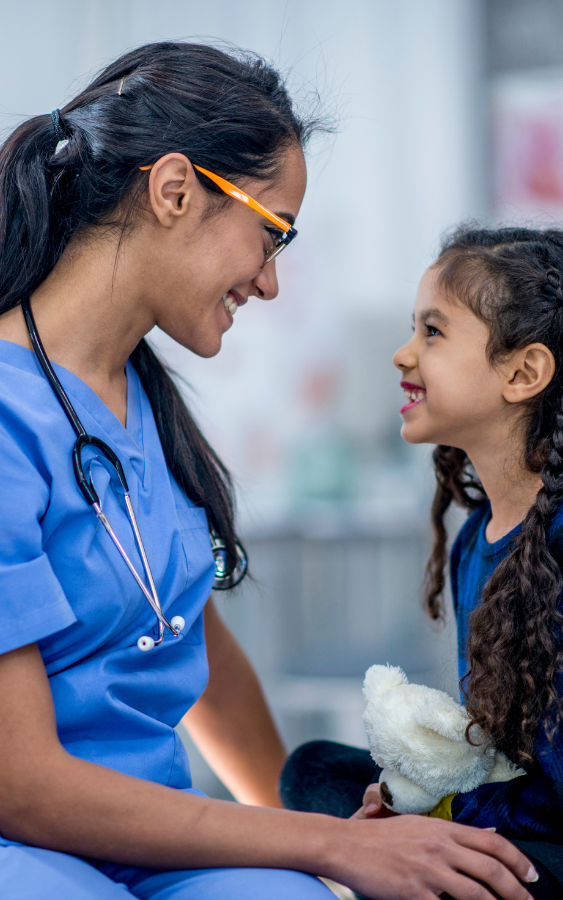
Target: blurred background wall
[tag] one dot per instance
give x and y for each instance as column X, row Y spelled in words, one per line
column 448, row 110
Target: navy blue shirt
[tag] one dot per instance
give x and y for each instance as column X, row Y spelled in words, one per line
column 530, row 807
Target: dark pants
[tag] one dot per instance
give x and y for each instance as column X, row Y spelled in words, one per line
column 330, row 778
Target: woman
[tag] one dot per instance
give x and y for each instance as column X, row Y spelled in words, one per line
column 109, row 226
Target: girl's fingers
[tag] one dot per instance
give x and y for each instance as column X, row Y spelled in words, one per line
column 371, row 811
column 373, row 806
column 372, row 796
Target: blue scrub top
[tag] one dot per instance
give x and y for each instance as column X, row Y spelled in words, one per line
column 64, row 585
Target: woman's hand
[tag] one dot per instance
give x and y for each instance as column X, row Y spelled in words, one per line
column 420, row 858
column 372, row 805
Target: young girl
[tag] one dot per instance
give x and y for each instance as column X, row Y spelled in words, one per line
column 483, row 378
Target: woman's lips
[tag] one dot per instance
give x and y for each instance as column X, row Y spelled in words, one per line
column 414, row 393
column 240, row 300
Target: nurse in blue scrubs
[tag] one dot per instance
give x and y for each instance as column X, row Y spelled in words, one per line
column 160, row 195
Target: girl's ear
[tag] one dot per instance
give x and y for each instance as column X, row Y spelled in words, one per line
column 528, row 373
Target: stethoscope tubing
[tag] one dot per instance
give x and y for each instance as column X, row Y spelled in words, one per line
column 88, row 489
column 222, row 581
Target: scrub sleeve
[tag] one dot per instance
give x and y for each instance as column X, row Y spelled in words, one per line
column 64, row 586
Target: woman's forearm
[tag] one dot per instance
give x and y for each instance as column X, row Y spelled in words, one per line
column 231, row 723
column 52, row 799
column 76, row 807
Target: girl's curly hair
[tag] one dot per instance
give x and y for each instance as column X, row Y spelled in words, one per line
column 512, row 280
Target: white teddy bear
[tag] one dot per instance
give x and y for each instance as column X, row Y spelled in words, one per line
column 417, row 735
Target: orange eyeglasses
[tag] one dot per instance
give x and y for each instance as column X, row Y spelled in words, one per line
column 283, row 233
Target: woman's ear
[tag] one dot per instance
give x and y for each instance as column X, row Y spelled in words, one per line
column 528, row 373
column 173, row 188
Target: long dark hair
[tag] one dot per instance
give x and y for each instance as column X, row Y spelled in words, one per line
column 512, row 280
column 228, row 112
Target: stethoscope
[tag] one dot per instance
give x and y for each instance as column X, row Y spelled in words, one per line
column 223, row 580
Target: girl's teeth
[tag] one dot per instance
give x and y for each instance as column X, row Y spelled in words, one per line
column 415, row 396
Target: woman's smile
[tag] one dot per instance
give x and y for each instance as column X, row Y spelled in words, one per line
column 232, row 300
column 414, row 393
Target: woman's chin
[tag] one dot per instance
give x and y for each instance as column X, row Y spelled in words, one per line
column 204, row 346
column 208, row 349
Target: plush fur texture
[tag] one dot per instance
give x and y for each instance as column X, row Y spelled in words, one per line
column 417, row 735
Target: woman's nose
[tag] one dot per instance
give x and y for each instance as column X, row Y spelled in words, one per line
column 266, row 282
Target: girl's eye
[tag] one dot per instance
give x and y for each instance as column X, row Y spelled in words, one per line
column 431, row 331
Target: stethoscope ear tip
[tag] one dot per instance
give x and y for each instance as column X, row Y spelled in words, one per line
column 145, row 643
column 178, row 624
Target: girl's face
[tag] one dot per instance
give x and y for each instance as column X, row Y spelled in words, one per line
column 453, row 396
column 196, row 265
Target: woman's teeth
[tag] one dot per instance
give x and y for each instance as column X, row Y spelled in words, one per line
column 413, row 396
column 230, row 303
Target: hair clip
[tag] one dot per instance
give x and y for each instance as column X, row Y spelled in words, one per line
column 120, row 91
column 56, row 120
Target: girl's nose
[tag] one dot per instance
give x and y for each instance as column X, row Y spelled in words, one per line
column 405, row 358
column 266, row 282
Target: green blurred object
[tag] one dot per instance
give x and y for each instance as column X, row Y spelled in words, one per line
column 322, row 468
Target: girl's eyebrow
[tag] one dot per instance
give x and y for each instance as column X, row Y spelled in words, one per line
column 433, row 313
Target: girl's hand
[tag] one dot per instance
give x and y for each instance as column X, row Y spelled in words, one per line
column 372, row 805
column 420, row 858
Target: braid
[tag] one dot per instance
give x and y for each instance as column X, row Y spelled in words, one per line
column 454, row 483
column 512, row 279
column 520, row 610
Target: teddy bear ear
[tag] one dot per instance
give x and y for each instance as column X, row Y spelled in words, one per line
column 380, row 679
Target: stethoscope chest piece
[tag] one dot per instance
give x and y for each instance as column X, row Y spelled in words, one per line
column 225, row 580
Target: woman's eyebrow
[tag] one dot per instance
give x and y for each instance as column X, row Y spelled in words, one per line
column 287, row 217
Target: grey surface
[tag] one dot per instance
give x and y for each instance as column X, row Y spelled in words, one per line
column 524, row 34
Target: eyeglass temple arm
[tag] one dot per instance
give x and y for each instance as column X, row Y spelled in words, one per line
column 237, row 194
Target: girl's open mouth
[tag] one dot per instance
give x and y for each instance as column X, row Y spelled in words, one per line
column 414, row 394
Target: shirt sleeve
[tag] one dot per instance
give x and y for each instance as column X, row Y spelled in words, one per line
column 32, row 602
column 527, row 808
